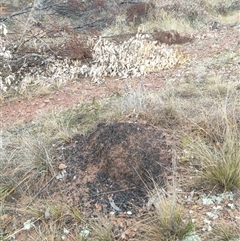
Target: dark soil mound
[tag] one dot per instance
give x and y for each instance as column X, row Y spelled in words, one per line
column 115, row 165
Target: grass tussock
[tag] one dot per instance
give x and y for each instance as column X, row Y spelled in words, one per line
column 102, row 231
column 167, row 222
column 28, row 163
column 225, row 232
column 220, row 163
column 218, row 152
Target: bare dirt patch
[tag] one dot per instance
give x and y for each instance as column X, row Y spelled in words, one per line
column 113, row 167
column 24, row 110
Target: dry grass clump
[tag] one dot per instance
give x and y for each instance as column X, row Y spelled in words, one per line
column 29, row 163
column 217, row 151
column 220, row 162
column 167, row 221
column 61, row 126
column 28, row 157
column 101, row 230
column 225, row 232
column 170, row 108
column 134, row 100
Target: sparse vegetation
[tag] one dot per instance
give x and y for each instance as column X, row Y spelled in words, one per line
column 198, row 107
